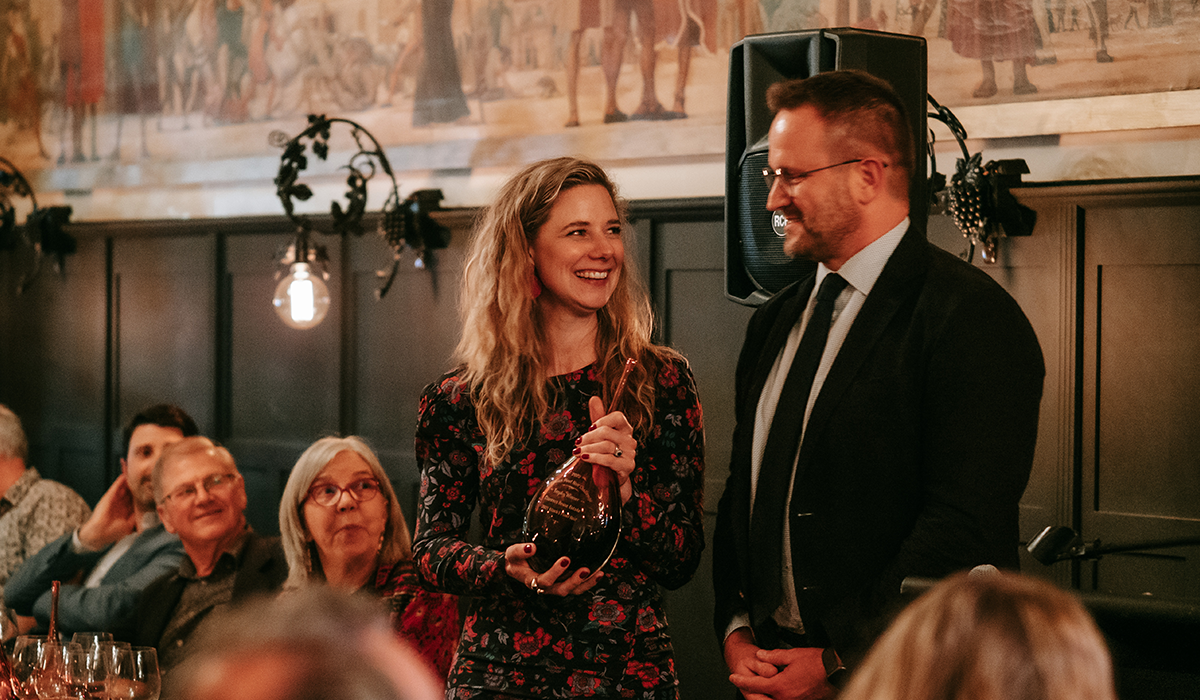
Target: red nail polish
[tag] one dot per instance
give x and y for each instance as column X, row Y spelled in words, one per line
column 585, row 574
column 593, row 427
column 576, row 451
column 564, row 562
column 528, row 549
column 585, row 457
column 578, row 439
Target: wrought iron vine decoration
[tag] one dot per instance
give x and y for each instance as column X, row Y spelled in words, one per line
column 978, row 196
column 42, row 233
column 404, row 224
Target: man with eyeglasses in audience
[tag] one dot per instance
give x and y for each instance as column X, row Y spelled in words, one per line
column 202, row 498
column 116, row 552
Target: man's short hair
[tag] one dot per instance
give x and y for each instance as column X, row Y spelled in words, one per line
column 185, row 448
column 13, row 442
column 164, row 415
column 858, row 107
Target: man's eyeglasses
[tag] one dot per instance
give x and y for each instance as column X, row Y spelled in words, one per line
column 328, row 494
column 791, row 180
column 212, row 483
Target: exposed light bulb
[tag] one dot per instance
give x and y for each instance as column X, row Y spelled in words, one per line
column 301, row 298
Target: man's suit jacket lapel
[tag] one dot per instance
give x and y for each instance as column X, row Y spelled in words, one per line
column 901, row 277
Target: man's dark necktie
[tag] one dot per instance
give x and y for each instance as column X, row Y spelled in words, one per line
column 779, row 455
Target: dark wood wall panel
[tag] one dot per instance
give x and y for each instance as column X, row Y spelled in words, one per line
column 52, row 365
column 164, row 325
column 1140, row 476
column 1148, row 389
column 402, row 342
column 697, row 320
column 285, row 382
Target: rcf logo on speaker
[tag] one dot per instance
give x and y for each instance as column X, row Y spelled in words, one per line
column 779, row 224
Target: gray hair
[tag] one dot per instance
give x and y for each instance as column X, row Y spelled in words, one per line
column 312, row 644
column 397, row 543
column 13, row 442
column 187, row 447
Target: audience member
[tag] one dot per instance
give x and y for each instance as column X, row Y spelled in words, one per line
column 318, row 644
column 201, row 498
column 1001, row 636
column 118, row 551
column 33, row 511
column 341, row 524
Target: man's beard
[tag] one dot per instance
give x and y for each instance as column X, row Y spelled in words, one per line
column 825, row 226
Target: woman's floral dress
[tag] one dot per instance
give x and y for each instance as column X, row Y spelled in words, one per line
column 425, row 619
column 611, row 641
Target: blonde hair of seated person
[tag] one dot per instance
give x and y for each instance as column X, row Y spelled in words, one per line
column 1001, row 636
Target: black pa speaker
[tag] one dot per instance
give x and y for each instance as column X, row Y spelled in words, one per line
column 755, row 265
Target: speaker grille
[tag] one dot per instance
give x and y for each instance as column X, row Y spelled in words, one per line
column 768, row 266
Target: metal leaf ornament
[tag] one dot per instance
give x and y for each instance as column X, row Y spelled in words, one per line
column 395, row 226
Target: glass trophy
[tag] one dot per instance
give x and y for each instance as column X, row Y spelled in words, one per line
column 576, row 512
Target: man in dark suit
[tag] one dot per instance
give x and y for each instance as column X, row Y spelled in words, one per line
column 202, row 499
column 901, row 445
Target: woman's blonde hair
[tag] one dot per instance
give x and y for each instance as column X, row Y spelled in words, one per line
column 303, row 561
column 503, row 347
column 1000, row 636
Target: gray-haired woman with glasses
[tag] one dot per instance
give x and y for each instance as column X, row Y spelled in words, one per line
column 341, row 525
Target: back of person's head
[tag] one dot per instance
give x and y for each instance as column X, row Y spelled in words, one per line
column 397, row 542
column 163, row 415
column 311, row 644
column 999, row 636
column 860, row 110
column 188, row 447
column 13, row 442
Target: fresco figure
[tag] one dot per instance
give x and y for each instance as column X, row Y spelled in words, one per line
column 1098, row 13
column 993, row 31
column 695, row 22
column 588, row 18
column 136, row 69
column 21, row 59
column 439, row 97
column 409, row 49
column 233, row 62
column 81, row 67
column 490, row 47
column 616, row 35
column 175, row 67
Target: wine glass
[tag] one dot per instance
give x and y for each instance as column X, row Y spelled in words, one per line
column 123, row 677
column 77, row 671
column 50, row 678
column 88, row 640
column 26, row 657
column 147, row 683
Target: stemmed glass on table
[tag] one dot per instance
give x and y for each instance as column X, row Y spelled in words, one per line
column 136, row 675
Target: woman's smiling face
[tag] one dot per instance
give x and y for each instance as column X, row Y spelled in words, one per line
column 578, row 253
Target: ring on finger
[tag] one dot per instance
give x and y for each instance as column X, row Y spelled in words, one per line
column 535, row 586
column 617, row 452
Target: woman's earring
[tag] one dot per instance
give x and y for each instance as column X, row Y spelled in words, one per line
column 535, row 285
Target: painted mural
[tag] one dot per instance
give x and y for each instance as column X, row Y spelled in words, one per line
column 459, row 84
